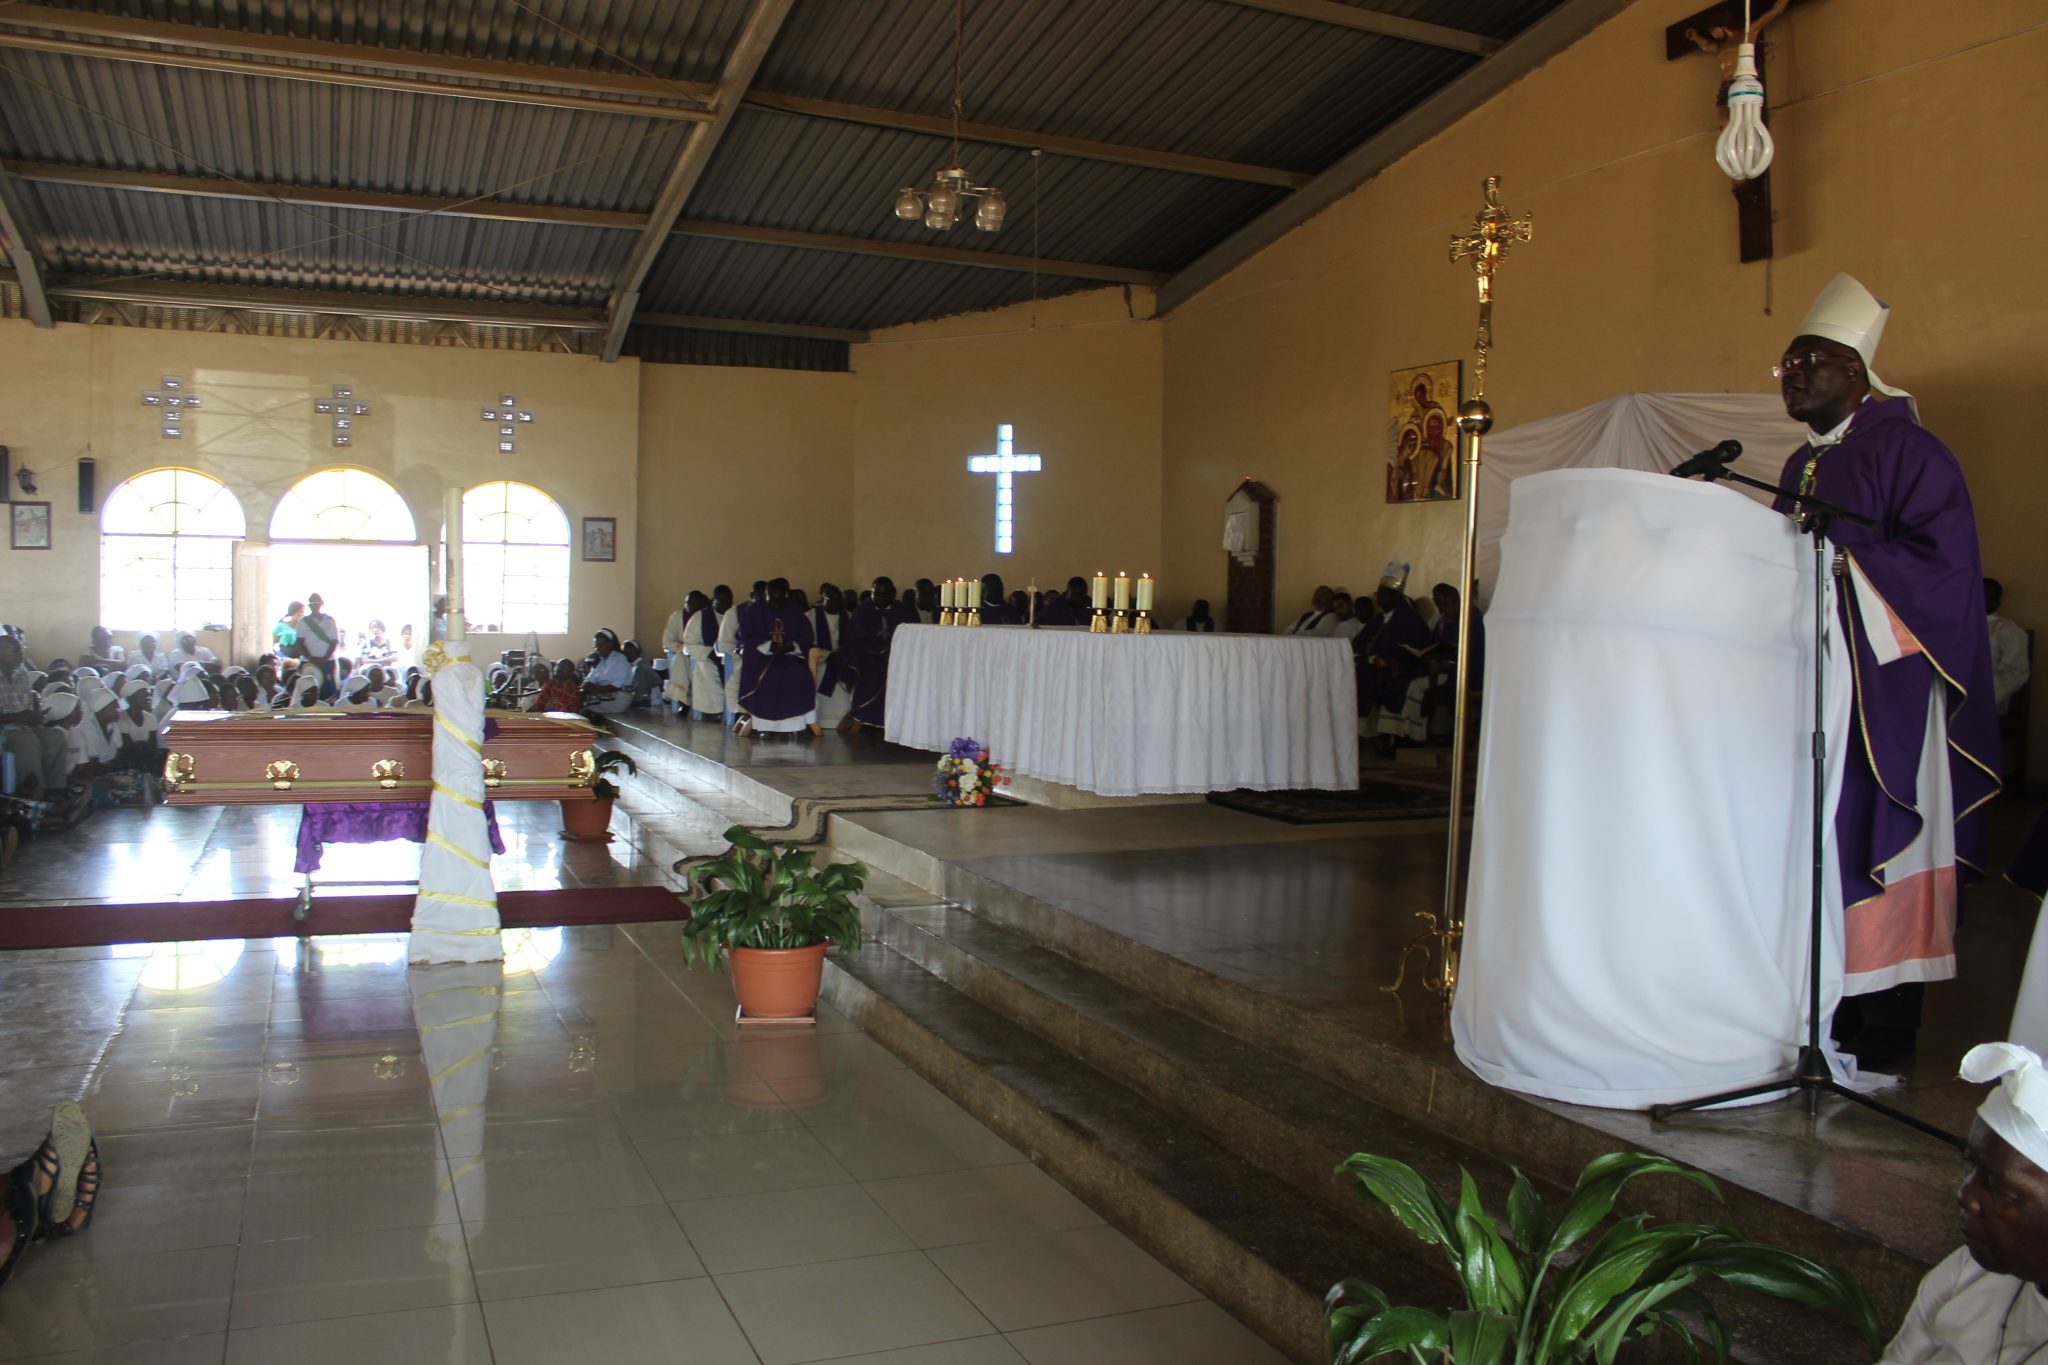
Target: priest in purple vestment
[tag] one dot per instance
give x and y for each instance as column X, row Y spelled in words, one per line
column 1069, row 608
column 868, row 636
column 1923, row 755
column 777, row 692
column 1394, row 656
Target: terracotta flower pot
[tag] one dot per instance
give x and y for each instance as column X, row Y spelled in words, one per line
column 587, row 822
column 777, row 983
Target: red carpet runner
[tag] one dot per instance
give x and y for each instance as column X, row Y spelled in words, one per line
column 84, row 926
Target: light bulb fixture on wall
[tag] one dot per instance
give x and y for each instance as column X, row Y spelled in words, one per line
column 952, row 187
column 1744, row 149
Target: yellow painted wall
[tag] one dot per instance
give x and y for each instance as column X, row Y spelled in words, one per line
column 1909, row 146
column 744, row 474
column 1079, row 380
column 78, row 388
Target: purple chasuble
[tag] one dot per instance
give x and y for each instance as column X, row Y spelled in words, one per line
column 1922, row 558
column 1399, row 640
column 775, row 686
column 868, row 636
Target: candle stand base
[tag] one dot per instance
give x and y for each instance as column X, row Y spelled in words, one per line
column 1122, row 624
column 946, row 618
column 1144, row 626
column 1098, row 623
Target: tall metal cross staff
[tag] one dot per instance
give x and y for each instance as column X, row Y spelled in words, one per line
column 1493, row 230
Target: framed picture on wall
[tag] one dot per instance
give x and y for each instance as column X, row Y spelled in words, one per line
column 1422, row 433
column 29, row 525
column 600, row 539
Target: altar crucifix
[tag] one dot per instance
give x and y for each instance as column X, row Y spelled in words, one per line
column 1493, row 229
column 1005, row 464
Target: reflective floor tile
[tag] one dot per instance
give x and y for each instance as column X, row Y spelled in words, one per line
column 133, row 1219
column 175, row 1156
column 1060, row 1277
column 971, row 1351
column 520, row 1179
column 680, row 1322
column 788, row 1227
column 343, row 1150
column 879, row 1148
column 205, row 1349
column 1185, row 1334
column 75, row 1305
column 740, row 1163
column 427, row 1336
column 518, row 1257
column 979, row 1205
column 345, row 1092
column 306, row 1278
column 873, row 1094
column 330, row 1202
column 814, row 1312
column 130, row 1101
column 702, row 1111
column 806, row 1053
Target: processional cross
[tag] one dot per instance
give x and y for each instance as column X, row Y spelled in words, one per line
column 1493, row 229
column 1005, row 464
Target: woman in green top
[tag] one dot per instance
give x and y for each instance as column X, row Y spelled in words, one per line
column 284, row 636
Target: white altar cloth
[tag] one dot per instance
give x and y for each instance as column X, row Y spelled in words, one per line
column 1129, row 715
column 1637, row 922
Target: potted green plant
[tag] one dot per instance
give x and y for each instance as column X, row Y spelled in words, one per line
column 590, row 821
column 775, row 913
column 1523, row 1306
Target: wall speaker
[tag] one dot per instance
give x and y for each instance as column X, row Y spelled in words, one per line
column 6, row 471
column 87, row 503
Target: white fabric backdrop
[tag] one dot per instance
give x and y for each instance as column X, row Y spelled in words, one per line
column 1128, row 715
column 1637, row 920
column 1652, row 432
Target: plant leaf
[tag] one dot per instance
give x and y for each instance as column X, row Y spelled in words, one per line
column 1396, row 1329
column 1399, row 1189
column 1619, row 1323
column 1480, row 1338
column 1599, row 1185
column 1787, row 1275
column 1491, row 1275
column 1526, row 1217
column 1599, row 1282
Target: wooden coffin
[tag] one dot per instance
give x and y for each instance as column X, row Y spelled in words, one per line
column 230, row 758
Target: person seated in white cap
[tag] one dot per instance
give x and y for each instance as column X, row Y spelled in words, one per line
column 355, row 694
column 190, row 651
column 1987, row 1304
column 1917, row 782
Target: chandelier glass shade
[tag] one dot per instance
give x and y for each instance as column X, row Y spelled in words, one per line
column 952, row 188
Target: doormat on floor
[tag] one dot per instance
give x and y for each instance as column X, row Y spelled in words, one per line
column 1374, row 800
column 89, row 926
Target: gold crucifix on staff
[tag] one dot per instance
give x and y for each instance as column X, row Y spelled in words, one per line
column 1493, row 228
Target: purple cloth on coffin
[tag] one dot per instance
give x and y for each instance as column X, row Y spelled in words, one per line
column 1922, row 558
column 867, row 640
column 775, row 686
column 370, row 822
column 1400, row 637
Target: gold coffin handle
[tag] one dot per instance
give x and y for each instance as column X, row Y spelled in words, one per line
column 178, row 771
column 582, row 768
column 281, row 773
column 494, row 771
column 387, row 771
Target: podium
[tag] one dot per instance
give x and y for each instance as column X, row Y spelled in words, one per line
column 1637, row 919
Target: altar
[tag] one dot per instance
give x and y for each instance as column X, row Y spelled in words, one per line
column 1162, row 714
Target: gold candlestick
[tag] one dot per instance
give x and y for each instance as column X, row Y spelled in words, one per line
column 1144, row 626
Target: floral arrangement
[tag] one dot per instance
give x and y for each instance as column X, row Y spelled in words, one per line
column 967, row 776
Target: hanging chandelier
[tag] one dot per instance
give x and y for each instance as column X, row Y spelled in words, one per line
column 952, row 187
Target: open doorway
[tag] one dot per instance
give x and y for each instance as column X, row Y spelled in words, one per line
column 362, row 585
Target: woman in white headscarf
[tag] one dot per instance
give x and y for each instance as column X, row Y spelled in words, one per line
column 306, row 690
column 190, row 689
column 355, row 694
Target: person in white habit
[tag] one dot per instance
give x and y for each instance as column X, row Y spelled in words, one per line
column 1987, row 1303
column 700, row 649
column 676, row 690
column 729, row 653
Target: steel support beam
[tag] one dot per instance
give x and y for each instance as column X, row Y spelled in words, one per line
column 770, row 329
column 21, row 247
column 915, row 251
column 1385, row 25
column 764, row 20
column 1537, row 44
column 1213, row 167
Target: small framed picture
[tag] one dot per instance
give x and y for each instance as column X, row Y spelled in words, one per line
column 600, row 539
column 29, row 525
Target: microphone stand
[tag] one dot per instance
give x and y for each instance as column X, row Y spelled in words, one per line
column 1811, row 1075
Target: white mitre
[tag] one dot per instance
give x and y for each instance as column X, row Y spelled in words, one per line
column 1847, row 312
column 2018, row 1110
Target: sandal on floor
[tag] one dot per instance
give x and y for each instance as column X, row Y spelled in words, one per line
column 21, row 1207
column 87, row 1192
column 41, row 1164
column 71, row 1135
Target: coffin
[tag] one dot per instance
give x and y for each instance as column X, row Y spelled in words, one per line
column 228, row 758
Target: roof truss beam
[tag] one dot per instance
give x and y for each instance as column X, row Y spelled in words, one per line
column 996, row 135
column 1376, row 22
column 757, row 34
column 107, row 36
column 21, row 246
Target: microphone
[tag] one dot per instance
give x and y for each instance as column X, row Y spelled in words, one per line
column 1709, row 462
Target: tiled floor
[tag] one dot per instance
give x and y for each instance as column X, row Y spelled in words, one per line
column 314, row 1153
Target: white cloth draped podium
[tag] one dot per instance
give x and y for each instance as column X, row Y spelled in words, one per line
column 1637, row 922
column 455, row 918
column 1131, row 715
column 2030, row 1014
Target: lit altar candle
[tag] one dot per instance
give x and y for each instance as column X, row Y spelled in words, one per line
column 1098, row 592
column 1123, row 591
column 946, row 595
column 1144, row 592
column 451, row 513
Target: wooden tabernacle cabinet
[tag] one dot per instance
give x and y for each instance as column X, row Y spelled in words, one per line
column 225, row 758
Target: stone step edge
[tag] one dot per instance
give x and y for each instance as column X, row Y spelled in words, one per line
column 778, row 806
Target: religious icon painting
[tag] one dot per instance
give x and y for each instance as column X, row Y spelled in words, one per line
column 29, row 527
column 1422, row 433
column 600, row 539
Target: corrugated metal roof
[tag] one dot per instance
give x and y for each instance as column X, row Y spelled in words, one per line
column 691, row 346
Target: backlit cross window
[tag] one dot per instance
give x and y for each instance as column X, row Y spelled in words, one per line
column 508, row 415
column 342, row 409
column 1005, row 464
column 171, row 402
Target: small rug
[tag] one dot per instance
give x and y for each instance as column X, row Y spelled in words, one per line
column 1375, row 799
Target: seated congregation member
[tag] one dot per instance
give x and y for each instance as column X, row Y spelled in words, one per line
column 378, row 650
column 700, row 650
column 2010, row 667
column 608, row 686
column 135, row 731
column 1319, row 619
column 1069, row 608
column 1022, row 609
column 1199, row 619
column 355, row 693
column 562, row 692
column 149, row 656
column 778, row 695
column 1348, row 623
column 1393, row 658
column 1441, row 661
column 644, row 678
column 868, row 638
column 190, row 651
column 995, row 608
column 829, row 620
column 102, row 653
column 1987, row 1304
column 680, row 672
column 923, row 608
column 42, row 758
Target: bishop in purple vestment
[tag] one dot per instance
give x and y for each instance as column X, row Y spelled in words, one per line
column 777, row 690
column 1923, row 753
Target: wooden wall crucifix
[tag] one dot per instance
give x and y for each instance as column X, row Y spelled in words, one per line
column 1717, row 31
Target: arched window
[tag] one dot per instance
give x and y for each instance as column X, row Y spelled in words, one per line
column 515, row 560
column 167, row 553
column 342, row 504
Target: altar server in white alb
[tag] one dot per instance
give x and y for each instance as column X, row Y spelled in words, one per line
column 700, row 651
column 1987, row 1304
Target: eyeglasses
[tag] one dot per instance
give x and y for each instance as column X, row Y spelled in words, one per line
column 1804, row 363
